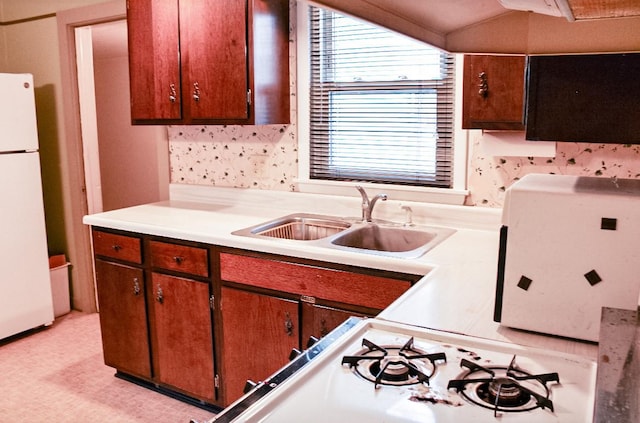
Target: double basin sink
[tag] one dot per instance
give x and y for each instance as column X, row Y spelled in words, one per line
column 381, row 238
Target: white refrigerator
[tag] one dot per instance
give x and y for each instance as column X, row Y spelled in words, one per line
column 25, row 286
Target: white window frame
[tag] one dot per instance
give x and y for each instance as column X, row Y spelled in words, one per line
column 454, row 195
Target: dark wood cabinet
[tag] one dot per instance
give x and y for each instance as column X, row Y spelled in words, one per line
column 493, row 92
column 123, row 317
column 317, row 320
column 159, row 299
column 183, row 335
column 209, row 61
column 269, row 305
column 155, row 307
column 259, row 332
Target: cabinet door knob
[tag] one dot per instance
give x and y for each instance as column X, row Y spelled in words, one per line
column 116, row 247
column 483, row 86
column 178, row 259
column 159, row 295
column 172, row 93
column 136, row 287
column 288, row 325
column 196, row 91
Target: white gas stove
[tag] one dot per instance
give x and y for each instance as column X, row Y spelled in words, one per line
column 378, row 371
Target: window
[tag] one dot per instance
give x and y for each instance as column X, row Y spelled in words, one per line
column 381, row 105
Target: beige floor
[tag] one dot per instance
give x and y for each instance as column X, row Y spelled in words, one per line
column 57, row 375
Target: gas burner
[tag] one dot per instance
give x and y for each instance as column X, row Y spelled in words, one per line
column 506, row 389
column 393, row 364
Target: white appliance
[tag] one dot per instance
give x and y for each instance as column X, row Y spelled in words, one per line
column 427, row 376
column 25, row 287
column 569, row 246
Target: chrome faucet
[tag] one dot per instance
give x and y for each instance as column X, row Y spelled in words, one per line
column 367, row 206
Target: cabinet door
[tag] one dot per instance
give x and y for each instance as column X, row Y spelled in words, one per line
column 213, row 47
column 259, row 332
column 183, row 334
column 319, row 320
column 123, row 318
column 154, row 67
column 493, row 92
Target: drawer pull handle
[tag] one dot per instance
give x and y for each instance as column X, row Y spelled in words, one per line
column 178, row 259
column 196, row 91
column 483, row 86
column 288, row 325
column 159, row 295
column 173, row 96
column 136, row 287
column 116, row 247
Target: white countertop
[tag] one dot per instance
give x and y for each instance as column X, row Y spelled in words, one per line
column 457, row 293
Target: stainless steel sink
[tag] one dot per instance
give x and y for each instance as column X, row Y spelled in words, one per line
column 299, row 227
column 378, row 237
column 394, row 241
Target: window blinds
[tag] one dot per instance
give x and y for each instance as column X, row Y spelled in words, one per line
column 381, row 104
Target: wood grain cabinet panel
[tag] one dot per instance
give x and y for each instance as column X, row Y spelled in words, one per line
column 493, row 92
column 121, row 247
column 259, row 332
column 123, row 317
column 328, row 284
column 180, row 258
column 184, row 339
column 318, row 321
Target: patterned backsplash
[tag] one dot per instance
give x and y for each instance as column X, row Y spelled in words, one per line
column 266, row 157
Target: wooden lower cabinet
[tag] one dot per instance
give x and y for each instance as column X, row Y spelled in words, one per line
column 318, row 321
column 123, row 317
column 183, row 336
column 268, row 306
column 155, row 303
column 259, row 332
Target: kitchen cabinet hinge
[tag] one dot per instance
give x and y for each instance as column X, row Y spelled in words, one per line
column 249, row 97
column 216, row 381
column 211, row 302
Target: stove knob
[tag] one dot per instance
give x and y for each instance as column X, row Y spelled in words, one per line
column 295, row 353
column 312, row 340
column 249, row 385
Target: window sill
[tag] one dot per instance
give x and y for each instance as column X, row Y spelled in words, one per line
column 396, row 192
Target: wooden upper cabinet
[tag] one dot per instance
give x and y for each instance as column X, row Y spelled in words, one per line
column 214, row 60
column 493, row 92
column 154, row 60
column 209, row 61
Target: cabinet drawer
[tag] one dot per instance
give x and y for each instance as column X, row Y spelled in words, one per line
column 328, row 284
column 121, row 247
column 180, row 258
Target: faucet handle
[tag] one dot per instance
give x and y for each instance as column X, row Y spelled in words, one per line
column 409, row 216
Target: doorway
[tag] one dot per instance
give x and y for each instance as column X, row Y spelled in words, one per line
column 124, row 165
column 112, row 164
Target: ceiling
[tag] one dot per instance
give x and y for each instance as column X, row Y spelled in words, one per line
column 487, row 26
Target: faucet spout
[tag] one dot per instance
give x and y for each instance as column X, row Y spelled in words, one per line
column 368, row 205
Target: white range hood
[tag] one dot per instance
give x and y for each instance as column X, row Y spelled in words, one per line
column 546, row 7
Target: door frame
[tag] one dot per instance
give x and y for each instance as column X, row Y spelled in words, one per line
column 72, row 162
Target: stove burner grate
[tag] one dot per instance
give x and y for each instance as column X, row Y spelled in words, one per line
column 393, row 365
column 506, row 389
